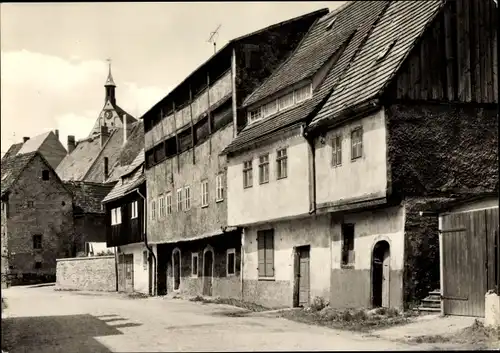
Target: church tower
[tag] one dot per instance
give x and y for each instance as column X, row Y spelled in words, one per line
column 111, row 114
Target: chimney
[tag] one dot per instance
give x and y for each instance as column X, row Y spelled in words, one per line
column 124, row 129
column 71, row 143
column 106, row 170
column 104, row 134
column 56, row 132
column 25, row 139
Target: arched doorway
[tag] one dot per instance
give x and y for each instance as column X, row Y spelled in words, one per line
column 381, row 268
column 176, row 268
column 208, row 270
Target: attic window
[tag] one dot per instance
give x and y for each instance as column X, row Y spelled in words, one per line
column 45, row 175
column 383, row 53
column 330, row 25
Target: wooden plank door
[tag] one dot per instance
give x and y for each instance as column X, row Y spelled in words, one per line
column 464, row 255
column 386, row 278
column 303, row 276
column 208, row 261
column 129, row 272
column 121, row 273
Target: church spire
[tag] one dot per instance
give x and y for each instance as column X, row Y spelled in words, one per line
column 110, row 86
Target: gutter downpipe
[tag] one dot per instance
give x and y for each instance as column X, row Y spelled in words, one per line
column 146, row 242
column 310, row 141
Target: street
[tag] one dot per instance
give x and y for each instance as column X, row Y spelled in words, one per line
column 39, row 319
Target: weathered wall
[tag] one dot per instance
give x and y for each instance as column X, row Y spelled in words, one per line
column 87, row 273
column 197, row 220
column 223, row 285
column 141, row 269
column 278, row 292
column 51, row 216
column 88, row 228
column 272, row 200
column 362, row 178
column 352, row 287
column 4, row 246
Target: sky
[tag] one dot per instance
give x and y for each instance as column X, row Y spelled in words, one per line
column 53, row 56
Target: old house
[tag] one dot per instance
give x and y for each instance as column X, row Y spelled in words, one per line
column 366, row 130
column 197, row 253
column 37, row 218
column 126, row 228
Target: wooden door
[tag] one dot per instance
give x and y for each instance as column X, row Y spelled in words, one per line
column 207, row 272
column 386, row 278
column 129, row 272
column 464, row 281
column 303, row 276
column 121, row 273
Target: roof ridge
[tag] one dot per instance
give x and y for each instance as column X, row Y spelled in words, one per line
column 336, row 11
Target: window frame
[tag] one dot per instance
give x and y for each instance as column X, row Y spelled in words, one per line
column 266, row 234
column 347, row 253
column 116, row 216
column 153, row 209
column 36, row 267
column 168, row 203
column 187, row 200
column 204, row 193
column 336, row 150
column 45, row 174
column 37, row 240
column 179, row 200
column 135, row 210
column 231, row 251
column 356, row 144
column 195, row 255
column 161, row 206
column 219, row 187
column 263, row 163
column 248, row 171
column 280, row 161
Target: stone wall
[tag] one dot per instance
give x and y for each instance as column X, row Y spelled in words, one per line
column 87, row 273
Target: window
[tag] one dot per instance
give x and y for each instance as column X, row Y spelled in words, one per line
column 270, row 108
column 145, row 260
column 264, row 169
column 161, row 206
column 45, row 175
column 37, row 241
column 265, row 244
column 247, row 174
column 356, row 143
column 179, row 199
column 337, row 151
column 135, row 210
column 153, row 209
column 281, row 163
column 231, row 262
column 204, row 193
column 254, row 115
column 194, row 264
column 30, row 203
column 348, row 245
column 187, row 198
column 116, row 216
column 303, row 93
column 169, row 202
column 285, row 101
column 219, row 186
column 38, row 265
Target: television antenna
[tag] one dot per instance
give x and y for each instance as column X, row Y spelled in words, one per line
column 213, row 37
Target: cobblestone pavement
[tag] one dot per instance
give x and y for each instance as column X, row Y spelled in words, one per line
column 39, row 319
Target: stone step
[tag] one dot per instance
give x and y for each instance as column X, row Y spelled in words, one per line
column 428, row 309
column 436, row 292
column 434, row 298
column 430, row 304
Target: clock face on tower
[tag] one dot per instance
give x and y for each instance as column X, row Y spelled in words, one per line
column 108, row 114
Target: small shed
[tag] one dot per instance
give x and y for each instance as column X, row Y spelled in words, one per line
column 469, row 241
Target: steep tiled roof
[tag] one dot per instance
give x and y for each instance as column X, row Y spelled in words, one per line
column 403, row 22
column 12, row 151
column 87, row 196
column 121, row 111
column 132, row 178
column 351, row 26
column 34, row 143
column 111, row 150
column 12, row 168
column 134, row 144
column 75, row 165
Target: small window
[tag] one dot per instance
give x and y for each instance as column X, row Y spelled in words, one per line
column 116, row 216
column 187, row 198
column 30, row 204
column 303, row 93
column 254, row 115
column 264, row 169
column 161, row 206
column 45, row 175
column 337, row 151
column 204, row 193
column 145, row 260
column 194, row 264
column 38, row 265
column 169, row 202
column 179, row 199
column 219, row 185
column 357, row 143
column 270, row 108
column 348, row 245
column 265, row 246
column 37, row 241
column 153, row 209
column 281, row 164
column 286, row 101
column 247, row 174
column 135, row 210
column 231, row 262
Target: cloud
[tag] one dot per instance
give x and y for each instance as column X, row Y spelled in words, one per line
column 41, row 92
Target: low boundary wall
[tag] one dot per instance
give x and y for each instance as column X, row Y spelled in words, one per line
column 97, row 273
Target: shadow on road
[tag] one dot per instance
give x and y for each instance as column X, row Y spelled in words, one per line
column 69, row 333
